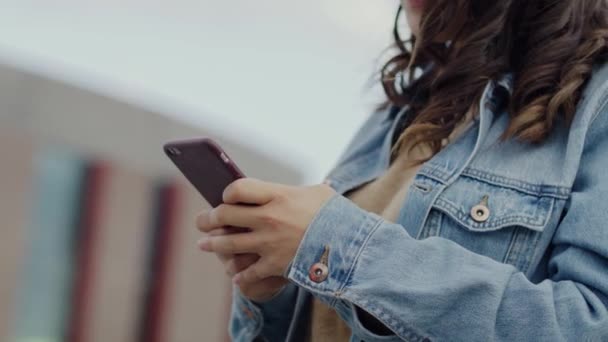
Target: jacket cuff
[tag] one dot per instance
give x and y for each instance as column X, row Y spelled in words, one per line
column 340, row 230
column 251, row 318
column 247, row 320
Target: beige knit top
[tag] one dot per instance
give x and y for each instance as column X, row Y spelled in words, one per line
column 384, row 196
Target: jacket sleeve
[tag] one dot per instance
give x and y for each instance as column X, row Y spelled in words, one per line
column 267, row 321
column 436, row 289
column 270, row 320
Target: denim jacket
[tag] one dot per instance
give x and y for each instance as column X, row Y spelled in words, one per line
column 496, row 241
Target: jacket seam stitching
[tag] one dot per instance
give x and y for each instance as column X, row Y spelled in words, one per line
column 453, row 210
column 355, row 262
column 603, row 101
column 560, row 192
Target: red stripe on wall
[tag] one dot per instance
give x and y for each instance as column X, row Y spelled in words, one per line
column 159, row 300
column 152, row 324
column 85, row 244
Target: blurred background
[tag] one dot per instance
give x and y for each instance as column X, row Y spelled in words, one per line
column 97, row 240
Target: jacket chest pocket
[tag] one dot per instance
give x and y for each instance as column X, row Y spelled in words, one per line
column 488, row 219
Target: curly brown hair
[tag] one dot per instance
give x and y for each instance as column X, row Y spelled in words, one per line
column 550, row 47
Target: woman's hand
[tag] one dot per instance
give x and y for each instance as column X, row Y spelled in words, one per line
column 277, row 217
column 259, row 291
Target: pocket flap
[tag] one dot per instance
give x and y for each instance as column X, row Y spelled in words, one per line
column 505, row 206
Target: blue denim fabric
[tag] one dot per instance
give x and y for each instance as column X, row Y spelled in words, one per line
column 535, row 270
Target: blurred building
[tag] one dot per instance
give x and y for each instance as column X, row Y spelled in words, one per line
column 97, row 239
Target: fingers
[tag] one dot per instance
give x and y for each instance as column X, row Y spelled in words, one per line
column 228, row 231
column 228, row 215
column 250, row 191
column 203, row 222
column 230, row 244
column 253, row 273
column 234, row 263
column 240, row 262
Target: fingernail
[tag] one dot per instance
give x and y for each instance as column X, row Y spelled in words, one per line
column 204, row 244
column 201, row 215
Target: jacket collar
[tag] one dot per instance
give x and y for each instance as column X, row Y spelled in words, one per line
column 496, row 89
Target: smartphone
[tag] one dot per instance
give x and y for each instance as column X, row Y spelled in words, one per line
column 206, row 166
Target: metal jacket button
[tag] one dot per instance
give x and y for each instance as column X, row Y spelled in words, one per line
column 319, row 271
column 481, row 212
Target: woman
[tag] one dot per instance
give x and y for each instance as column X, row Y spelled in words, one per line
column 472, row 207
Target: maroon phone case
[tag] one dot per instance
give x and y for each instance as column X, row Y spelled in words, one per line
column 206, row 166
